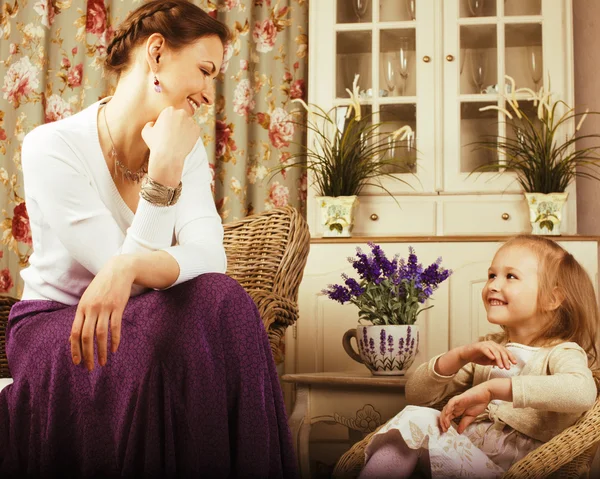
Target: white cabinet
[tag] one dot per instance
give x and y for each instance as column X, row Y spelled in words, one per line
column 433, row 69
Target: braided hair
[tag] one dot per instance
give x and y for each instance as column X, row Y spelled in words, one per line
column 180, row 22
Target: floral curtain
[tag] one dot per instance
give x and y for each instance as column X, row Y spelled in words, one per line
column 51, row 54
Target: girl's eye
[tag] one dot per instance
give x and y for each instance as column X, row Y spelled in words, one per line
column 206, row 74
column 511, row 276
column 491, row 276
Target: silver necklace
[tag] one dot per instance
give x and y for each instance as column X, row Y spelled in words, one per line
column 126, row 173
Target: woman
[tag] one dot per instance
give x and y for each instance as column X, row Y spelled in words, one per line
column 129, row 258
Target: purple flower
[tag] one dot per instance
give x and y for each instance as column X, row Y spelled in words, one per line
column 355, row 288
column 390, row 341
column 387, row 267
column 372, row 345
column 367, row 267
column 388, row 291
column 338, row 293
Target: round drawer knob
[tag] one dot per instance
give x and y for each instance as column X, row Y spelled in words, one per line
column 450, row 58
column 505, row 216
column 426, row 58
column 374, row 217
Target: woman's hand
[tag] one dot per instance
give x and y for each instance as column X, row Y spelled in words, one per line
column 103, row 301
column 170, row 139
column 487, row 353
column 469, row 405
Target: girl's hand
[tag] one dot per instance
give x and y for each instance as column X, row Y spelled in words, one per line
column 170, row 139
column 469, row 405
column 103, row 301
column 486, row 353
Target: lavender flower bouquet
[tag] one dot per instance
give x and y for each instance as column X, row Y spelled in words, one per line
column 388, row 292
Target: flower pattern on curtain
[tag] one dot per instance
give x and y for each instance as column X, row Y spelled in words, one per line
column 51, row 54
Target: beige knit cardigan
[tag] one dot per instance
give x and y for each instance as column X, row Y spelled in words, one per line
column 552, row 391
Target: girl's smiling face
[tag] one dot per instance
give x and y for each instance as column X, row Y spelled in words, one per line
column 511, row 292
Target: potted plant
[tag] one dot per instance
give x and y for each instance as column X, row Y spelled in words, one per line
column 545, row 165
column 347, row 154
column 390, row 295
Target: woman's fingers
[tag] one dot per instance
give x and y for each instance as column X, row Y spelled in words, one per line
column 115, row 329
column 87, row 339
column 75, row 338
column 102, row 337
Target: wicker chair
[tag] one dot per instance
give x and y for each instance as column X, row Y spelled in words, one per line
column 568, row 455
column 266, row 254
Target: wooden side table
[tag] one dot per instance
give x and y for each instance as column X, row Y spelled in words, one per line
column 360, row 401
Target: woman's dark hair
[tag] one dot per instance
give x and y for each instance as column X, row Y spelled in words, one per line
column 180, row 22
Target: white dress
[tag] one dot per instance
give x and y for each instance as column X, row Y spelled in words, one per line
column 486, row 449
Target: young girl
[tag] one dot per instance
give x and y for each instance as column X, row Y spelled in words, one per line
column 511, row 392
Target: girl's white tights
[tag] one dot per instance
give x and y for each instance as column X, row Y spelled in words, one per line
column 392, row 459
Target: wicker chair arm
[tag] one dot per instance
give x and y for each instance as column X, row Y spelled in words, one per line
column 353, row 460
column 579, row 439
column 277, row 314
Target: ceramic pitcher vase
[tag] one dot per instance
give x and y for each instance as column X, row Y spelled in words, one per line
column 386, row 350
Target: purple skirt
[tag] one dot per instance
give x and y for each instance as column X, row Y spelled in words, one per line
column 191, row 392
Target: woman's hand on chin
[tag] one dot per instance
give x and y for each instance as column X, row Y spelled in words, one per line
column 102, row 303
column 170, row 139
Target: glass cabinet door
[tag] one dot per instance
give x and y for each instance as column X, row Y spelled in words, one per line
column 484, row 41
column 385, row 42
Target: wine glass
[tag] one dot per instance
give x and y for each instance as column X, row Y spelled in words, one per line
column 534, row 63
column 463, row 58
column 390, row 71
column 411, row 8
column 478, row 68
column 475, row 7
column 403, row 59
column 360, row 8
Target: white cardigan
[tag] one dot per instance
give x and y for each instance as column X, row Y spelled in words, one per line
column 79, row 220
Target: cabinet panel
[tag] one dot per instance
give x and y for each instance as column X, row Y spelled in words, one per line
column 466, row 305
column 480, row 215
column 382, row 216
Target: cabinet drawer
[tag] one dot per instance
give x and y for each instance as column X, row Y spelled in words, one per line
column 382, row 216
column 481, row 216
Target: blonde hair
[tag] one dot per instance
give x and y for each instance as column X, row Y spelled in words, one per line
column 562, row 278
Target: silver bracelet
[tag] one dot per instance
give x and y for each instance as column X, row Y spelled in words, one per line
column 159, row 195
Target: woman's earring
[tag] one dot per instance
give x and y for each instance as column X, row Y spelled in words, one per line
column 157, row 87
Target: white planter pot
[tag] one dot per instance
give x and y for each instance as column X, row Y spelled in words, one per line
column 545, row 212
column 337, row 214
column 386, row 350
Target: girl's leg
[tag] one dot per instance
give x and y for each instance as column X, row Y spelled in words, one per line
column 392, row 458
